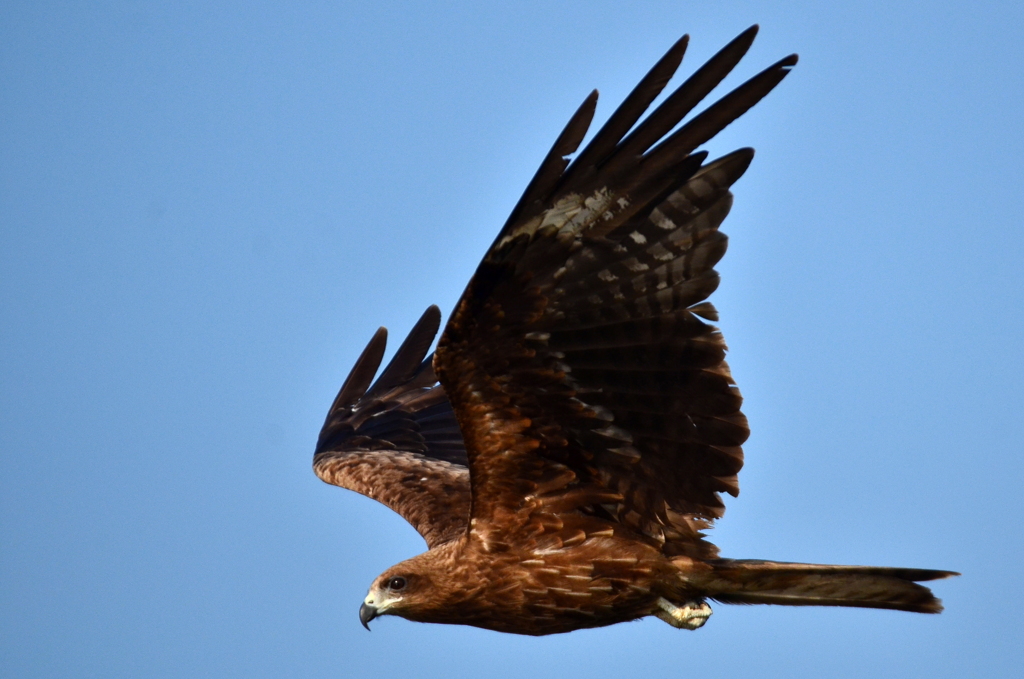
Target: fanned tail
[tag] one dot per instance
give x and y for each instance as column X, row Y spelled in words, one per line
column 748, row 581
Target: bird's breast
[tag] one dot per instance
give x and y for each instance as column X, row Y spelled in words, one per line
column 579, row 586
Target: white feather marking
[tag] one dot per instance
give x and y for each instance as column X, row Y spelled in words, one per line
column 594, row 206
column 598, row 199
column 613, row 432
column 628, row 452
column 560, row 214
column 578, row 595
column 638, row 238
column 661, row 221
column 578, row 578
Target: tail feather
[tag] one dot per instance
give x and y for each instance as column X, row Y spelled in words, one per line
column 748, row 581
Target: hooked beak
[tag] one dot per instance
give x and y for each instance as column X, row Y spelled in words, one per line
column 366, row 614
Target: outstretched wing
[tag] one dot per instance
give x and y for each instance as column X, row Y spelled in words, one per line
column 588, row 386
column 399, row 442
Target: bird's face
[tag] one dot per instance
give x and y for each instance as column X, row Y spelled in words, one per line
column 425, row 588
column 397, row 591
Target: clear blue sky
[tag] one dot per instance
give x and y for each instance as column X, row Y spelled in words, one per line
column 207, row 209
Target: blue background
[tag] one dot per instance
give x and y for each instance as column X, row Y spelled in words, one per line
column 206, row 209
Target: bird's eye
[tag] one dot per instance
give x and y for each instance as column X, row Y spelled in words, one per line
column 396, row 584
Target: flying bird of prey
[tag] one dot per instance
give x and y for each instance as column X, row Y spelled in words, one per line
column 564, row 447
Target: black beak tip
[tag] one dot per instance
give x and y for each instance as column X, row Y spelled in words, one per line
column 366, row 614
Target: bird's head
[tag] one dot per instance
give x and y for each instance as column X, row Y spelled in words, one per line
column 404, row 590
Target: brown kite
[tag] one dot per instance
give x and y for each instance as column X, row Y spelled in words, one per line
column 565, row 445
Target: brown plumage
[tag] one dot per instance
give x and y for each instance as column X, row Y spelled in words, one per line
column 567, row 442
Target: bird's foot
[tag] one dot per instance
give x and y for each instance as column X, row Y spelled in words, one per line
column 691, row 615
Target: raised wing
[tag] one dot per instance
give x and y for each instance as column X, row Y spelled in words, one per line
column 398, row 442
column 588, row 386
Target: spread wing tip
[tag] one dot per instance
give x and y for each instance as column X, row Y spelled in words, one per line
column 409, row 357
column 361, row 375
column 407, row 363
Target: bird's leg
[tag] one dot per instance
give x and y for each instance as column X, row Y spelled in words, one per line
column 691, row 615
